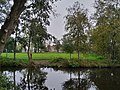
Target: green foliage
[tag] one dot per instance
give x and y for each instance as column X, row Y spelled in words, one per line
column 4, row 9
column 34, row 29
column 77, row 26
column 57, row 45
column 59, row 60
column 106, row 33
column 5, row 83
column 38, row 35
column 12, row 63
column 9, row 47
column 67, row 45
column 33, row 14
column 74, row 63
column 51, row 56
column 2, row 1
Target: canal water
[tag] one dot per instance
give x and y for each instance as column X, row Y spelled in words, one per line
column 63, row 79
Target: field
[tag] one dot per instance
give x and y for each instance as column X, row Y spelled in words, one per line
column 51, row 56
column 54, row 59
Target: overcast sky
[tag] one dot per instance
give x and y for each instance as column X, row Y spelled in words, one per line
column 56, row 27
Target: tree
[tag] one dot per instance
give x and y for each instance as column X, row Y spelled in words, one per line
column 10, row 22
column 106, row 33
column 9, row 47
column 6, row 82
column 77, row 26
column 57, row 45
column 37, row 7
column 33, row 79
column 39, row 36
column 78, row 82
column 68, row 46
column 15, row 40
column 23, row 42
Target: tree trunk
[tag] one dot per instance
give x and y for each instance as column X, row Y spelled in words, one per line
column 24, row 46
column 28, row 79
column 29, row 49
column 11, row 22
column 70, row 56
column 14, row 80
column 38, row 47
column 15, row 42
column 15, row 49
column 113, row 48
column 35, row 48
column 79, row 55
column 78, row 79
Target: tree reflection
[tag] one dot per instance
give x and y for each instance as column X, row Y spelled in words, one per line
column 33, row 79
column 81, row 79
column 97, row 79
column 106, row 79
column 6, row 83
column 81, row 82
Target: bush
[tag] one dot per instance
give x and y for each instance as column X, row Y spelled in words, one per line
column 74, row 63
column 5, row 83
column 58, row 60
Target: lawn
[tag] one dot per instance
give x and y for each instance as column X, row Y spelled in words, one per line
column 51, row 56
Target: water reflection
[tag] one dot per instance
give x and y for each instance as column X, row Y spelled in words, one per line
column 33, row 79
column 64, row 79
column 82, row 81
column 107, row 79
column 27, row 79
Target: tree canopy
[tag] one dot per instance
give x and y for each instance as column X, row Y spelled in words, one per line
column 12, row 10
column 106, row 32
column 77, row 25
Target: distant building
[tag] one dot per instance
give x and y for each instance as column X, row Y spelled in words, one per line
column 52, row 48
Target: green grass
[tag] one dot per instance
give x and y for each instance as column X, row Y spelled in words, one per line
column 56, row 60
column 51, row 56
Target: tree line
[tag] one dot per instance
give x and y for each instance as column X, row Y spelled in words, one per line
column 96, row 34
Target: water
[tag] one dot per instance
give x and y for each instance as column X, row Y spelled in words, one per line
column 64, row 79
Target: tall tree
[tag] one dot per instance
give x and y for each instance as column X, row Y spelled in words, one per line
column 67, row 45
column 77, row 26
column 10, row 22
column 106, row 32
column 41, row 8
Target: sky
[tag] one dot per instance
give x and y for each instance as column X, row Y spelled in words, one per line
column 57, row 25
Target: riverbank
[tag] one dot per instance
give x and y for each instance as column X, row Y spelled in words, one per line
column 59, row 63
column 52, row 59
column 74, row 64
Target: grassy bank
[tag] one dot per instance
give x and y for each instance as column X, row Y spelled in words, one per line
column 12, row 63
column 55, row 60
column 59, row 63
column 51, row 56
